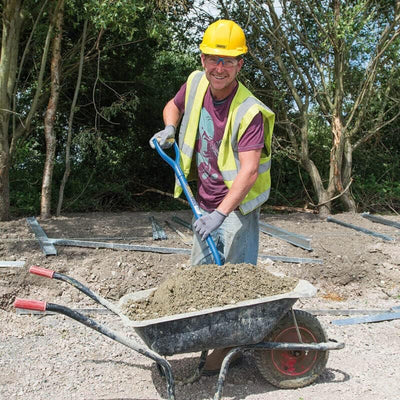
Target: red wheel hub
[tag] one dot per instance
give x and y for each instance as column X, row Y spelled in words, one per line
column 294, row 362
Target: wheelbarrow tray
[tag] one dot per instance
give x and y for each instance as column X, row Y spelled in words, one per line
column 243, row 323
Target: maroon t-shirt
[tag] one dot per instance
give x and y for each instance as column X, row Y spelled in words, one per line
column 213, row 116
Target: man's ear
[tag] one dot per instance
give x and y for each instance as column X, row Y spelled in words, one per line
column 240, row 64
column 203, row 57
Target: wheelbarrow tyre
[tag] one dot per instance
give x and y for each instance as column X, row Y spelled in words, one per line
column 288, row 369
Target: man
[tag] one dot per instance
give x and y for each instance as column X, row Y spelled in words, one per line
column 225, row 143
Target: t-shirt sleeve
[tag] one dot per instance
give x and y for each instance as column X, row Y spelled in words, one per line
column 253, row 137
column 179, row 98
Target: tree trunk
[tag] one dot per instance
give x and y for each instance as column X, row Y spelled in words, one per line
column 4, row 182
column 50, row 116
column 12, row 21
column 336, row 156
column 347, row 198
column 324, row 204
column 70, row 121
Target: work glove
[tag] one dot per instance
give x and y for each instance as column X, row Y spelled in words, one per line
column 209, row 223
column 163, row 137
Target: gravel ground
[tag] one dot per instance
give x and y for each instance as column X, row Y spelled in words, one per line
column 53, row 357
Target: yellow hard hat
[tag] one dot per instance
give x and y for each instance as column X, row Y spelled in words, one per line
column 224, row 38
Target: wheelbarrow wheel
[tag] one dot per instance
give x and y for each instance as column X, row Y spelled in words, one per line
column 289, row 369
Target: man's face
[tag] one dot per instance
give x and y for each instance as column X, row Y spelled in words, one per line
column 221, row 72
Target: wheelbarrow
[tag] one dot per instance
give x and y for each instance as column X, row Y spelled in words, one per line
column 290, row 347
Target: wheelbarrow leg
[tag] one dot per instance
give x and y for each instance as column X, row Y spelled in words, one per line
column 197, row 373
column 224, row 371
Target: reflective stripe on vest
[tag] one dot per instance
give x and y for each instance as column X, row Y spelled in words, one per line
column 231, row 175
column 255, row 203
column 242, row 110
column 189, row 101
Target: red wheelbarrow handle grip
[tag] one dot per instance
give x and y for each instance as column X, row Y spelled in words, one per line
column 30, row 304
column 48, row 273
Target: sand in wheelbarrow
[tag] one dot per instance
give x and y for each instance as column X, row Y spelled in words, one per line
column 207, row 286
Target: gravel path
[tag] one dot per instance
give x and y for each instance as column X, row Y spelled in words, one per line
column 55, row 358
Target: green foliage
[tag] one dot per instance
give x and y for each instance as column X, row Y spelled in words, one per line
column 26, row 179
column 142, row 58
column 377, row 174
column 287, row 182
column 117, row 16
column 124, row 87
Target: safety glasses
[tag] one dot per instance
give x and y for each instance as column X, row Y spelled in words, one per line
column 227, row 62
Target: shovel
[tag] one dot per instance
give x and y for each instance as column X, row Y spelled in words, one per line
column 188, row 192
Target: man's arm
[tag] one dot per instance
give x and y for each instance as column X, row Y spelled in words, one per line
column 171, row 114
column 244, row 181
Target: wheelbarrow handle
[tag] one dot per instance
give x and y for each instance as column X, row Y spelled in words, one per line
column 36, row 270
column 188, row 192
column 28, row 304
column 114, row 335
column 48, row 273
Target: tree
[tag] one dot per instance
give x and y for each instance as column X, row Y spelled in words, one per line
column 13, row 22
column 125, row 47
column 25, row 81
column 325, row 58
column 12, row 19
column 50, row 115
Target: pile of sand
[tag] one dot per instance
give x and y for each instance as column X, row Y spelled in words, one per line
column 208, row 286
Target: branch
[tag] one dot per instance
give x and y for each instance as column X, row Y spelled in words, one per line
column 371, row 71
column 372, row 133
column 32, row 110
column 70, row 122
column 95, row 85
column 292, row 209
column 326, row 33
column 304, row 40
column 22, row 62
column 279, row 37
column 82, row 191
column 335, row 197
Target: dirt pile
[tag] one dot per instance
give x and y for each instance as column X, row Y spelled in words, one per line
column 208, row 286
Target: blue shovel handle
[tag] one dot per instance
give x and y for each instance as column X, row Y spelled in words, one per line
column 188, row 192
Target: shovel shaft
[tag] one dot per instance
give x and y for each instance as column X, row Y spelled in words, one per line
column 188, row 193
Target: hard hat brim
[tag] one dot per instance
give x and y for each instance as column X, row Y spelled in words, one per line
column 222, row 52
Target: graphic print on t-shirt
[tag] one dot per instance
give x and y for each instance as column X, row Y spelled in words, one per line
column 207, row 149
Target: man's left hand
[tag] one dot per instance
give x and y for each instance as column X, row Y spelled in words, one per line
column 209, row 223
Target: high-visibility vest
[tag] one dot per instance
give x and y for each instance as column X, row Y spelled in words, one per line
column 243, row 109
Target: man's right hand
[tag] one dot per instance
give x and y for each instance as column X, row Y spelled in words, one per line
column 208, row 223
column 163, row 137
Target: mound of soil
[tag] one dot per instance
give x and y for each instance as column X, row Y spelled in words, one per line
column 208, row 286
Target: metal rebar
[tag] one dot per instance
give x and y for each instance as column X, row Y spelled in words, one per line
column 380, row 220
column 44, row 242
column 360, row 229
column 290, row 237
